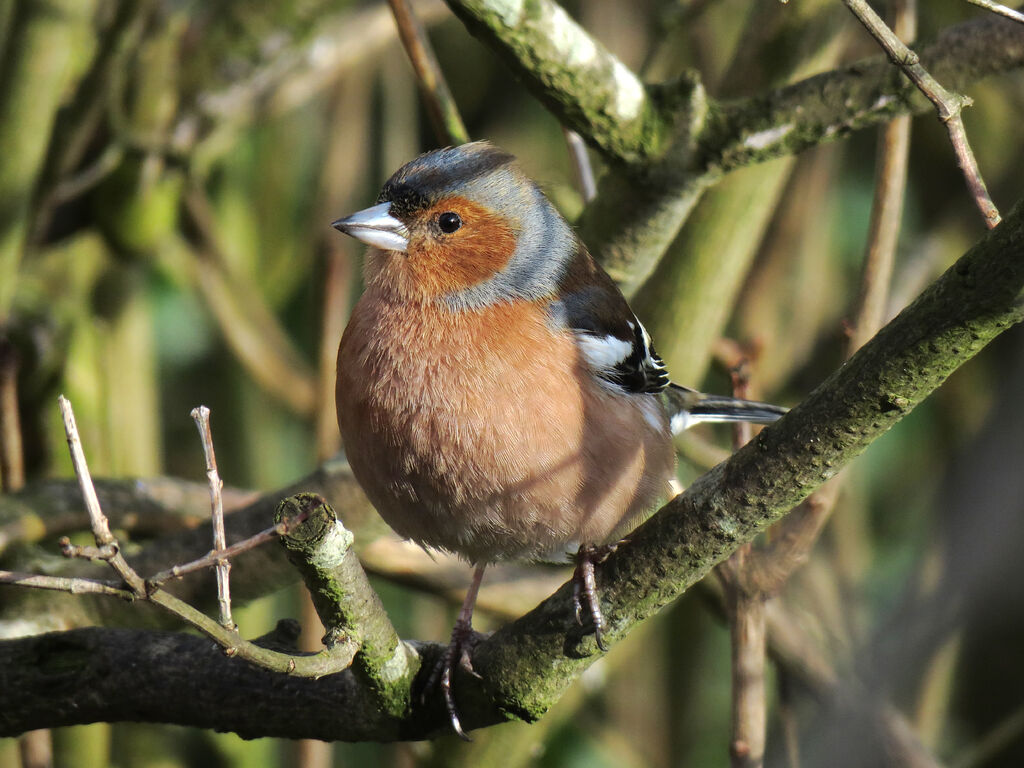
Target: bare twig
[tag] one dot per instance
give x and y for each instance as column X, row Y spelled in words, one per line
column 747, row 630
column 1002, row 10
column 12, row 466
column 88, row 553
column 64, row 584
column 948, row 104
column 745, row 611
column 795, row 536
column 444, row 114
column 211, row 558
column 337, row 658
column 100, row 526
column 201, row 416
column 581, row 164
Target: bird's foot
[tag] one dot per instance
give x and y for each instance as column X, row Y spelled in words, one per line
column 584, row 587
column 458, row 654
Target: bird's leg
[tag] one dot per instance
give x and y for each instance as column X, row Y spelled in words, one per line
column 458, row 652
column 584, row 587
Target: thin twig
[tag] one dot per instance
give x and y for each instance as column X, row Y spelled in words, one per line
column 201, row 416
column 211, row 558
column 1002, row 10
column 745, row 609
column 795, row 536
column 73, row 586
column 88, row 553
column 884, row 229
column 948, row 104
column 444, row 114
column 336, row 659
column 100, row 526
column 581, row 164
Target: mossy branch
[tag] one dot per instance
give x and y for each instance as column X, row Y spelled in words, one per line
column 88, row 675
column 348, row 607
column 587, row 87
column 667, row 143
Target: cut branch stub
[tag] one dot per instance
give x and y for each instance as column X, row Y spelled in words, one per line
column 321, row 548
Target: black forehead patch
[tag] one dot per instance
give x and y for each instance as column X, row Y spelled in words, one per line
column 404, row 198
column 420, row 182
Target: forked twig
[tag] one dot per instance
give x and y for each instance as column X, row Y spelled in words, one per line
column 948, row 104
column 100, row 526
column 210, row 558
column 337, row 658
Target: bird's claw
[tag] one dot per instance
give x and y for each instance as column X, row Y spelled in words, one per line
column 584, row 587
column 458, row 654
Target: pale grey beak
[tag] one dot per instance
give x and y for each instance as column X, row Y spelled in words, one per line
column 377, row 227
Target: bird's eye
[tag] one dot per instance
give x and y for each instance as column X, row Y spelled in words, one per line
column 449, row 222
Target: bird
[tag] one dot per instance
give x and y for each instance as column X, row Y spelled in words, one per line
column 497, row 397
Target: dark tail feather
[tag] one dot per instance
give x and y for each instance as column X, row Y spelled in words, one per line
column 688, row 407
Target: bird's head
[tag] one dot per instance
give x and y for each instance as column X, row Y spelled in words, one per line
column 465, row 226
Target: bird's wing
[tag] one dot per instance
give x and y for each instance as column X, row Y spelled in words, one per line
column 614, row 344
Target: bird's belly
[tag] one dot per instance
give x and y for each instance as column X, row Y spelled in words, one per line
column 495, row 450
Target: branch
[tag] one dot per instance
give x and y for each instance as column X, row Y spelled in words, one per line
column 666, row 144
column 949, row 105
column 201, row 416
column 526, row 665
column 1002, row 10
column 576, row 77
column 745, row 612
column 444, row 114
column 256, row 573
column 830, row 105
column 348, row 607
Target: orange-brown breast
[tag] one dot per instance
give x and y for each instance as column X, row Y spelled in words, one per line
column 480, row 432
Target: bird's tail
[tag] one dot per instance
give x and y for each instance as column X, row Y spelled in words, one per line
column 687, row 407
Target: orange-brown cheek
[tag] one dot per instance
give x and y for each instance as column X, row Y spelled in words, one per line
column 468, row 256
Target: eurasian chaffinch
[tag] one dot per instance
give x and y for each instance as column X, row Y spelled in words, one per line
column 497, row 397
